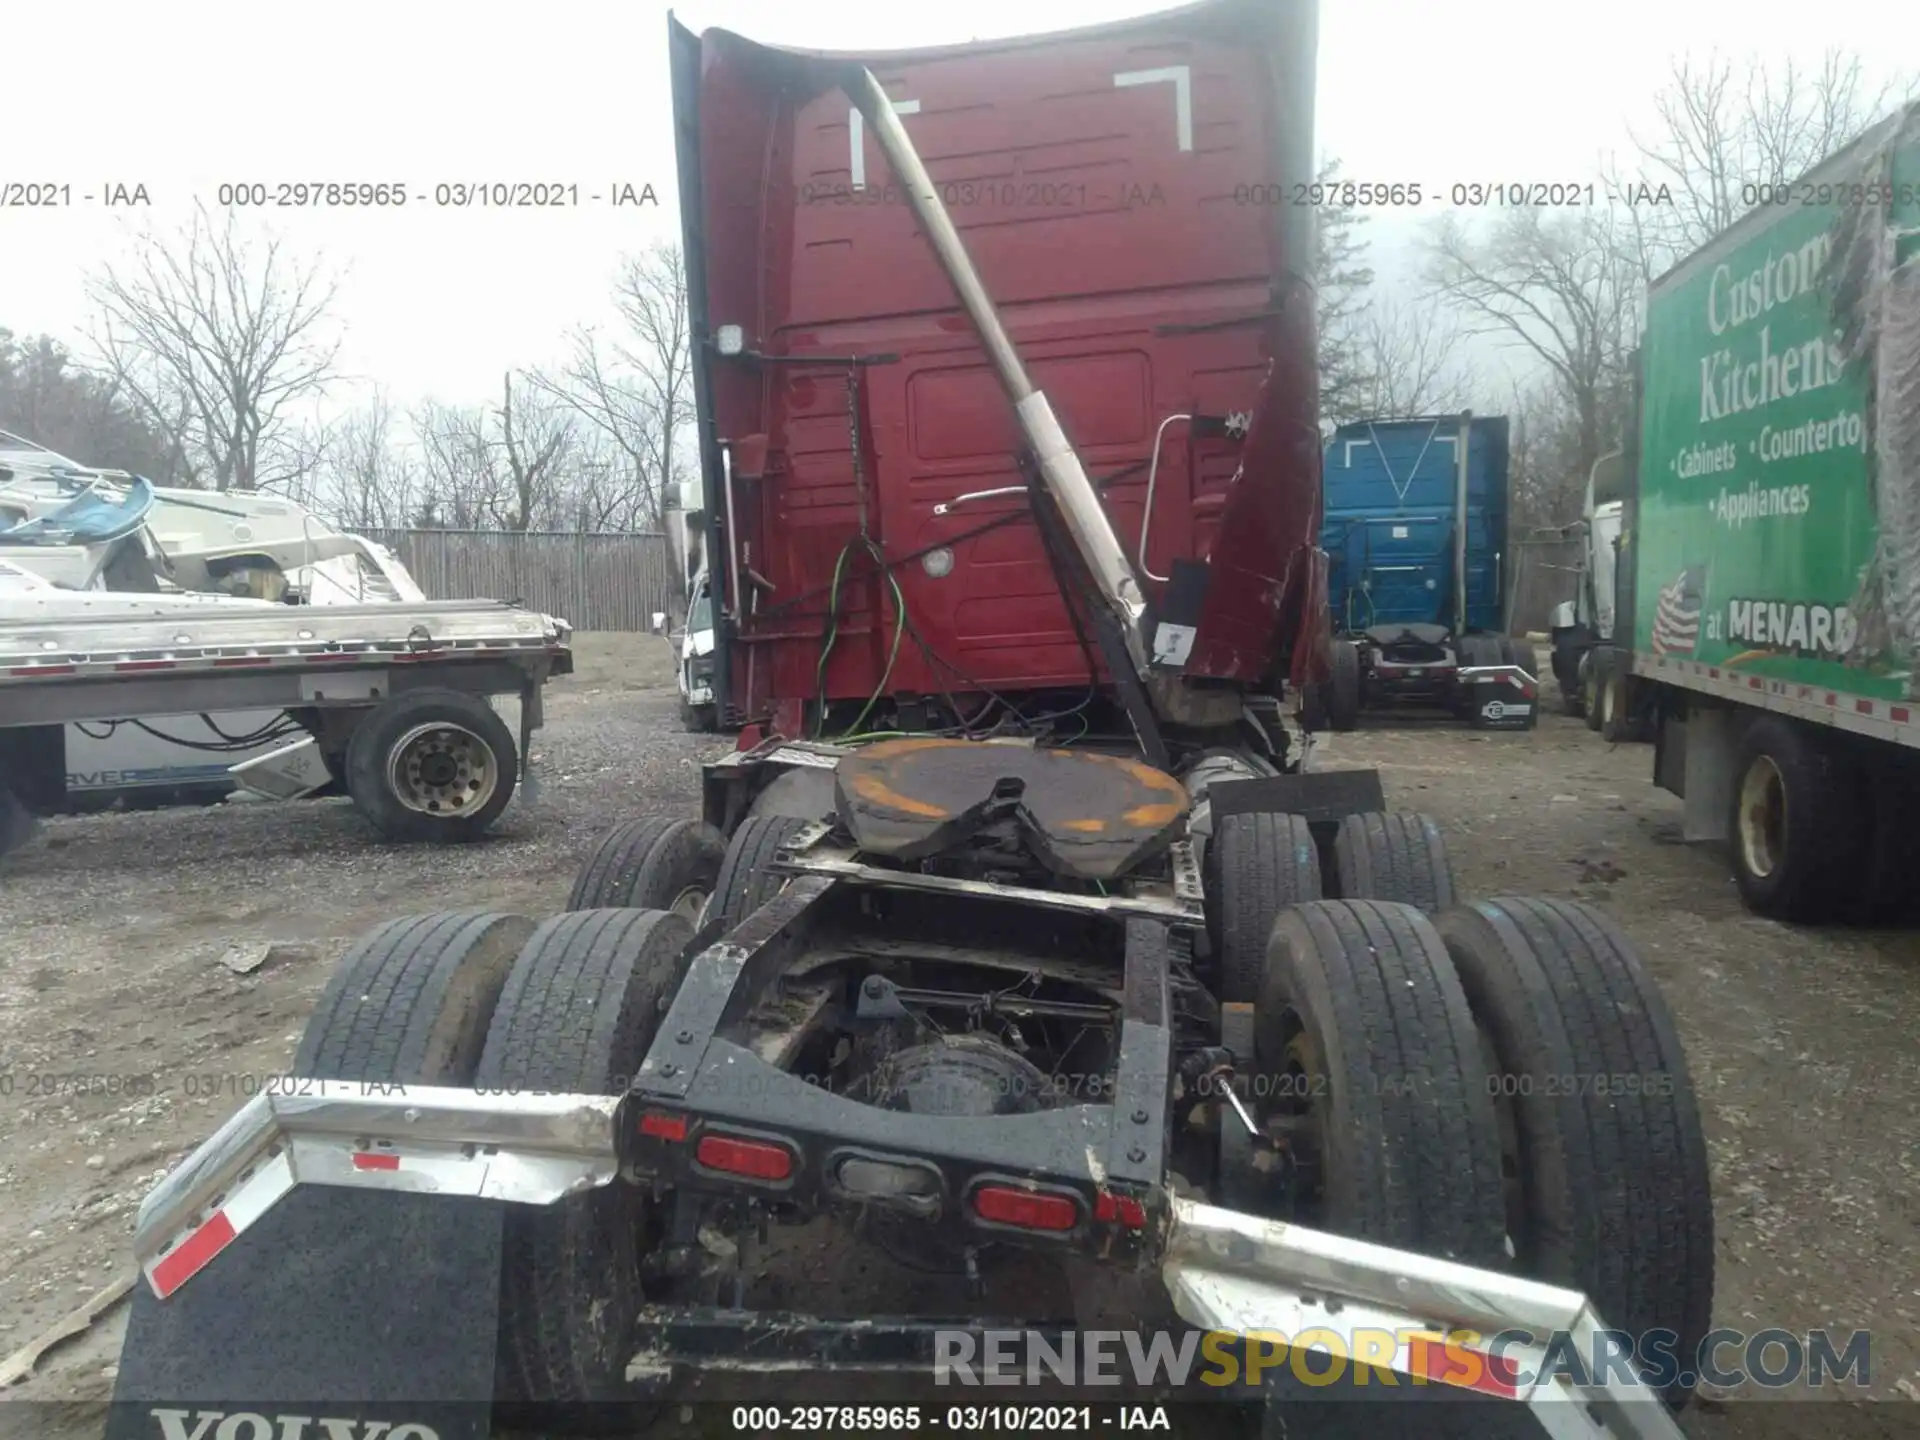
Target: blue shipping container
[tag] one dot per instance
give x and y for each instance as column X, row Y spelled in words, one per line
column 1390, row 499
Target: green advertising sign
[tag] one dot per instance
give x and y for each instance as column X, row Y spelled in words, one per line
column 1756, row 522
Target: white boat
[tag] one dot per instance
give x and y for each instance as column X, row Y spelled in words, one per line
column 98, row 541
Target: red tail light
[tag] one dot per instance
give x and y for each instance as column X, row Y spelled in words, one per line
column 1004, row 1205
column 1129, row 1212
column 663, row 1126
column 756, row 1159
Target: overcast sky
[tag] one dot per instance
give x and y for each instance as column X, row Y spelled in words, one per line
column 182, row 97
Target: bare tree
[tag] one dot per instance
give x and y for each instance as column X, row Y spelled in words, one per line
column 495, row 467
column 368, row 482
column 1408, row 357
column 534, row 438
column 637, row 390
column 1563, row 288
column 460, row 487
column 1721, row 133
column 223, row 334
column 1341, row 280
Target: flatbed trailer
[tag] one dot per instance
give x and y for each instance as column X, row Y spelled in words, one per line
column 393, row 696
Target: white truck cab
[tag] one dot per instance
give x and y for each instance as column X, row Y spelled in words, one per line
column 698, row 711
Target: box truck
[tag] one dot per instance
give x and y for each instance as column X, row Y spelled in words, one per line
column 1769, row 574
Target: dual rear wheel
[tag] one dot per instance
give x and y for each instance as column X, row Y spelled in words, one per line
column 1499, row 1082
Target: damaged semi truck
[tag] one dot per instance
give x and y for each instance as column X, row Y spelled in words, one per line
column 1767, row 611
column 1017, row 937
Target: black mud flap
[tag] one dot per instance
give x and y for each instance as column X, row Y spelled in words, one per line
column 370, row 1313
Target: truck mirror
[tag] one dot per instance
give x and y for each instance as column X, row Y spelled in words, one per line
column 659, row 622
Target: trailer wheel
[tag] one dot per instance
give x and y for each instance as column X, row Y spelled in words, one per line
column 1613, row 1191
column 437, row 765
column 1590, row 690
column 747, row 880
column 1616, row 708
column 652, row 864
column 1343, row 686
column 577, row 1016
column 1370, row 1063
column 1393, row 857
column 411, row 1000
column 1795, row 833
column 1256, row 865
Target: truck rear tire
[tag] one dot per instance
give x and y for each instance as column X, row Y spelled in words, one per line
column 1616, row 708
column 410, row 1002
column 577, row 1016
column 1343, row 686
column 1256, row 865
column 698, row 719
column 652, row 863
column 1613, row 1197
column 433, row 765
column 1590, row 690
column 1363, row 1029
column 1398, row 857
column 746, row 880
column 1796, row 834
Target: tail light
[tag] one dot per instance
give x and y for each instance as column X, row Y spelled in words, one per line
column 755, row 1159
column 1123, row 1209
column 1026, row 1209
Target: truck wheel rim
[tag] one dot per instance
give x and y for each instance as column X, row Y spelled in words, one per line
column 1763, row 817
column 442, row 769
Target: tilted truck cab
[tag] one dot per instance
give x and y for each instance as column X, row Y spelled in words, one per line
column 1109, row 987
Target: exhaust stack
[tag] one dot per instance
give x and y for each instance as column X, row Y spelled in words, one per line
column 1060, row 467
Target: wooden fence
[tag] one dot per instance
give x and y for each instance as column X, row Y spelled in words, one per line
column 594, row 581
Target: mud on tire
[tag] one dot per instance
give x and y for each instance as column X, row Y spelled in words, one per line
column 747, row 880
column 653, row 863
column 1256, row 864
column 411, row 1000
column 1613, row 1195
column 1361, row 1000
column 1398, row 857
column 578, row 1014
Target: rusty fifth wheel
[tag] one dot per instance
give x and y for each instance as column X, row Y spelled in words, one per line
column 1086, row 814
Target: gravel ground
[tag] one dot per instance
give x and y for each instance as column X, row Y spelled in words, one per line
column 124, row 1041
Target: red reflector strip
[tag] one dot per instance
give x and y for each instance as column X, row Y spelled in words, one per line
column 43, row 670
column 753, row 1158
column 185, row 1260
column 663, row 1126
column 1127, row 1211
column 365, row 1160
column 1463, row 1367
column 1004, row 1205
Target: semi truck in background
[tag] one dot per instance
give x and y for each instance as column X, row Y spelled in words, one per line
column 1578, row 626
column 1415, row 530
column 692, row 635
column 1768, row 605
